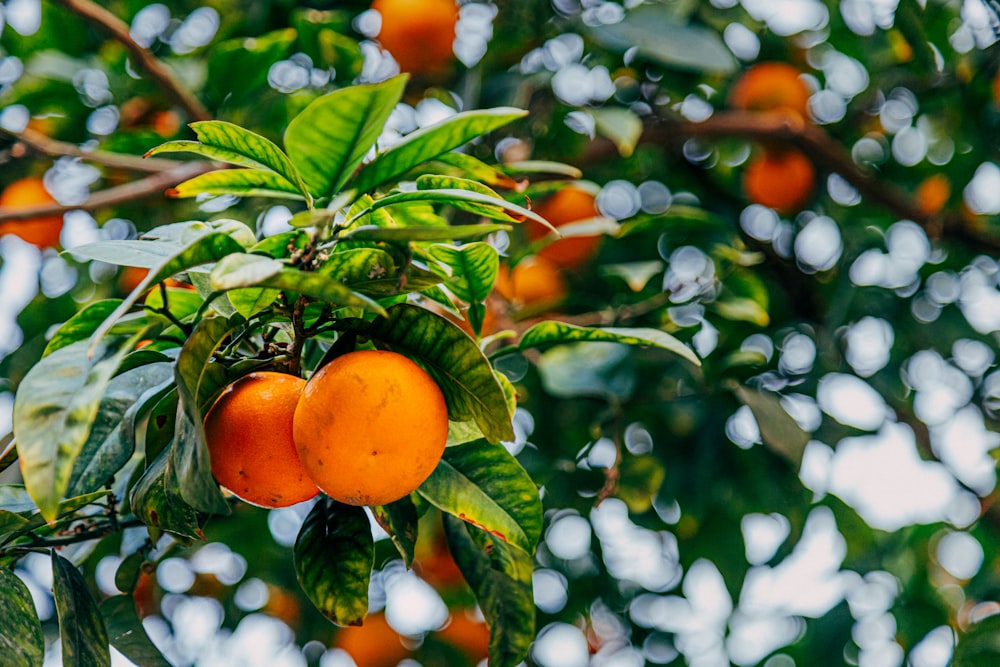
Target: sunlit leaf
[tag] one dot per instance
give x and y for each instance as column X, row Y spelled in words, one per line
column 542, row 167
column 454, row 361
column 81, row 325
column 500, row 576
column 334, row 553
column 81, row 626
column 551, row 333
column 405, row 234
column 475, row 168
column 477, row 202
column 622, row 126
column 21, row 641
column 237, row 182
column 484, row 485
column 778, row 430
column 429, row 142
column 144, row 254
column 330, row 138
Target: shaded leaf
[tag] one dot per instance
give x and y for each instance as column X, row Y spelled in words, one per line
column 334, row 554
column 479, row 170
column 156, row 500
column 399, row 520
column 81, row 626
column 778, row 430
column 484, row 485
column 454, row 361
column 552, row 333
column 330, row 138
column 500, row 577
column 127, row 634
column 21, row 641
column 237, row 182
column 429, row 142
column 144, row 254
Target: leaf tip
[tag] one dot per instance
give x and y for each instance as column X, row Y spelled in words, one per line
column 173, row 193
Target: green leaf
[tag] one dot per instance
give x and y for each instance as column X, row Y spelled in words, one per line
column 81, row 325
column 198, row 380
column 108, row 446
column 622, row 126
column 778, row 430
column 333, row 556
column 356, row 265
column 156, row 500
column 399, row 520
column 21, row 641
column 477, row 202
column 542, row 167
column 454, row 361
column 436, row 182
column 658, row 37
column 127, row 634
column 144, row 254
column 330, row 138
column 238, row 182
column 407, row 234
column 979, row 646
column 500, row 577
column 475, row 168
column 484, row 485
column 251, row 300
column 261, row 151
column 204, row 248
column 55, row 407
column 429, row 142
column 256, row 271
column 473, row 267
column 81, row 627
column 552, row 333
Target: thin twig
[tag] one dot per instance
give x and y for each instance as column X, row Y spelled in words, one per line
column 36, row 141
column 151, row 186
column 161, row 75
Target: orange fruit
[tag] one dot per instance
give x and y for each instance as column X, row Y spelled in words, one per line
column 534, row 282
column 933, row 193
column 571, row 204
column 373, row 644
column 781, row 179
column 466, row 633
column 418, row 33
column 771, row 86
column 370, row 427
column 42, row 232
column 249, row 434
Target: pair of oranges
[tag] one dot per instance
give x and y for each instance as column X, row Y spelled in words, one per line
column 366, row 429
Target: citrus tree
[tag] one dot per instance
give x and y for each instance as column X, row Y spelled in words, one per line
column 548, row 333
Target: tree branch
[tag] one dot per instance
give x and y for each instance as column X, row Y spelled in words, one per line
column 143, row 59
column 150, row 186
column 36, row 141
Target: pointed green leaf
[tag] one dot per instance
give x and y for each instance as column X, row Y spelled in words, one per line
column 211, row 152
column 542, row 167
column 81, row 627
column 81, row 325
column 249, row 301
column 500, row 577
column 429, row 142
column 454, row 361
column 21, row 641
column 484, row 485
column 473, row 269
column 622, row 126
column 55, row 407
column 475, row 168
column 399, row 520
column 476, row 202
column 552, row 333
column 778, row 430
column 127, row 634
column 979, row 646
column 357, row 265
column 155, row 499
column 204, row 248
column 333, row 555
column 145, row 254
column 436, row 182
column 330, row 138
column 198, row 381
column 256, row 271
column 237, row 182
column 108, row 448
column 406, row 234
column 251, row 145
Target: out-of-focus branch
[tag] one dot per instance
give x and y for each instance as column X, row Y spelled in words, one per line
column 825, row 151
column 143, row 59
column 30, row 140
column 151, row 186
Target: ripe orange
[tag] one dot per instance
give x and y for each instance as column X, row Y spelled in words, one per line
column 534, row 282
column 370, row 427
column 571, row 204
column 42, row 232
column 373, row 644
column 418, row 33
column 249, row 433
column 771, row 86
column 781, row 179
column 933, row 193
column 466, row 633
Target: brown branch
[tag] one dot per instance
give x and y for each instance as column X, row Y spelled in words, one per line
column 825, row 151
column 143, row 59
column 36, row 141
column 150, row 186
